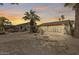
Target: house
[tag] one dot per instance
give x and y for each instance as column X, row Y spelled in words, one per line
column 62, row 27
column 17, row 28
column 23, row 27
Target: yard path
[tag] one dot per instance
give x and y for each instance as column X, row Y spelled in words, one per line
column 24, row 43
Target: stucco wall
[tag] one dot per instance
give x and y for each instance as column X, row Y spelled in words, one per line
column 56, row 29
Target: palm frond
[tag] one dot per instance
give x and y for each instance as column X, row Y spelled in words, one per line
column 31, row 16
column 1, row 4
column 10, row 3
column 27, row 14
column 32, row 12
column 3, row 18
column 62, row 16
column 70, row 4
column 15, row 3
column 37, row 17
column 4, row 21
column 25, row 18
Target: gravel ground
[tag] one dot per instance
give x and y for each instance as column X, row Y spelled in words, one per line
column 24, row 43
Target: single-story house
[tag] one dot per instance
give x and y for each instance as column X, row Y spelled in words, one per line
column 57, row 27
column 17, row 28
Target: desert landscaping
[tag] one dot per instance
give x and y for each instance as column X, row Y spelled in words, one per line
column 35, row 43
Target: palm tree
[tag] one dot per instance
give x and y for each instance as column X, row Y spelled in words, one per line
column 2, row 23
column 75, row 6
column 33, row 18
column 59, row 19
column 62, row 17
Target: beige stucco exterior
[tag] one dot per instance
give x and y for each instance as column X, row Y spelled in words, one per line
column 54, row 29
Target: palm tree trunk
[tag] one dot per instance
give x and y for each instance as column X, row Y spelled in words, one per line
column 30, row 26
column 76, row 31
column 33, row 26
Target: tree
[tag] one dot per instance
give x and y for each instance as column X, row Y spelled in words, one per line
column 59, row 19
column 75, row 6
column 7, row 22
column 33, row 18
column 2, row 23
column 62, row 17
column 10, row 3
column 4, row 20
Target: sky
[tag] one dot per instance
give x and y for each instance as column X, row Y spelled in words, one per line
column 48, row 12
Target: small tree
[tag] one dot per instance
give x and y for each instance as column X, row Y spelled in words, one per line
column 2, row 23
column 62, row 17
column 59, row 19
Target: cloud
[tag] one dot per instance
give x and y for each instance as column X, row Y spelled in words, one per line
column 40, row 8
column 14, row 15
column 3, row 12
column 60, row 10
column 49, row 20
column 41, row 15
column 12, row 12
column 18, row 21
